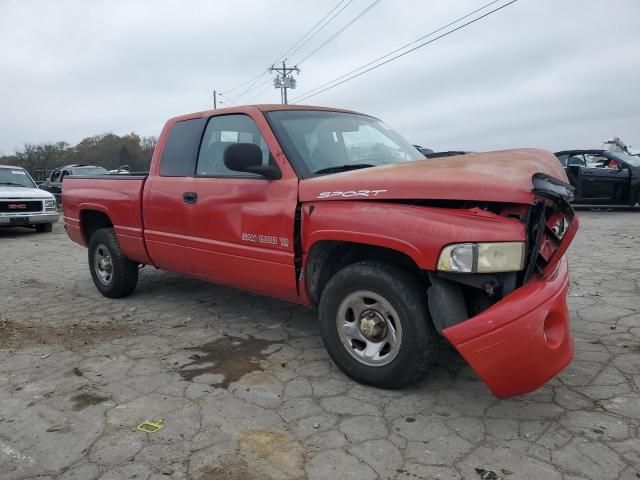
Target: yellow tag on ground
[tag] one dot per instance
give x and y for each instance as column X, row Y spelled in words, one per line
column 149, row 426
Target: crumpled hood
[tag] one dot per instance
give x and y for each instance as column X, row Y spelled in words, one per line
column 502, row 176
column 24, row 193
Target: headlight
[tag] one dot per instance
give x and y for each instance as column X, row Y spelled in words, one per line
column 50, row 205
column 482, row 257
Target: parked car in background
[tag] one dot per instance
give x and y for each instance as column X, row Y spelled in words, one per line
column 54, row 183
column 589, row 157
column 22, row 203
column 602, row 177
column 335, row 210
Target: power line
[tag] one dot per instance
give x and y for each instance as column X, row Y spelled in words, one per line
column 245, row 83
column 285, row 80
column 349, row 2
column 351, row 22
column 258, row 95
column 226, row 98
column 252, row 87
column 284, row 55
column 399, row 49
column 352, row 74
column 252, row 81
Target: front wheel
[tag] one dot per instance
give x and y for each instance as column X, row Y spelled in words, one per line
column 375, row 324
column 114, row 275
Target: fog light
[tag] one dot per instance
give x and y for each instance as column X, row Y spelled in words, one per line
column 554, row 329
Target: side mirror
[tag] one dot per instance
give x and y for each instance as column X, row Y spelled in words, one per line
column 247, row 157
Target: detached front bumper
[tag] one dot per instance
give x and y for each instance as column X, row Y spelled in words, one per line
column 522, row 341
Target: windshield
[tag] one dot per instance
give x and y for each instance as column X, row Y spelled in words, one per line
column 89, row 171
column 626, row 158
column 323, row 142
column 15, row 177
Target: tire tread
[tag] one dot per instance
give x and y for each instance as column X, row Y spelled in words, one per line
column 125, row 271
column 402, row 284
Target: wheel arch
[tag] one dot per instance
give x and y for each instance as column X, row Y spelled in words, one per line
column 92, row 220
column 326, row 257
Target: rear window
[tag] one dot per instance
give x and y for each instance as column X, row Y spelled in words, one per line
column 89, row 171
column 180, row 149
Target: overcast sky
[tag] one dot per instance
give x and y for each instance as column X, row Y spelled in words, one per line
column 555, row 74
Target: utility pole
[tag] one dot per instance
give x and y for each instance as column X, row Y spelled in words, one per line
column 284, row 80
column 215, row 100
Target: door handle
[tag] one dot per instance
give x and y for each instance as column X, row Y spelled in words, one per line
column 190, row 197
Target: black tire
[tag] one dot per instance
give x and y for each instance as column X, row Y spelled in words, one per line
column 44, row 227
column 121, row 278
column 419, row 340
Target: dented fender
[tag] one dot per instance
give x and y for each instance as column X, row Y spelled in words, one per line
column 420, row 232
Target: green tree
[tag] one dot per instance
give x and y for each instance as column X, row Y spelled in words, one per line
column 106, row 150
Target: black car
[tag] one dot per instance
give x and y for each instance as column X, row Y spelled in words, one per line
column 602, row 177
column 54, row 183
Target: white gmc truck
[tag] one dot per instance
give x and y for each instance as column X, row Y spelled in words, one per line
column 22, row 203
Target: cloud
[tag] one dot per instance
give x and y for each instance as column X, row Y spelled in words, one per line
column 550, row 74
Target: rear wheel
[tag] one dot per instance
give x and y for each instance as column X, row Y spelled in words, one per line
column 114, row 275
column 375, row 325
column 44, row 227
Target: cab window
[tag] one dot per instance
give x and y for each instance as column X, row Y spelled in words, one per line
column 178, row 154
column 221, row 132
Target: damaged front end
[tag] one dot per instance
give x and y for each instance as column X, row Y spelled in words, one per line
column 552, row 225
column 512, row 325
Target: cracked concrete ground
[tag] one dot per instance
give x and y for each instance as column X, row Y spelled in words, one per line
column 246, row 391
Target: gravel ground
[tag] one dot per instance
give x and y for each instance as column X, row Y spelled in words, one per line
column 245, row 390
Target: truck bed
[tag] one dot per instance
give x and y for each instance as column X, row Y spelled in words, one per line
column 119, row 197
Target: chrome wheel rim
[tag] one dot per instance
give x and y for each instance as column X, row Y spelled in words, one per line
column 369, row 328
column 102, row 264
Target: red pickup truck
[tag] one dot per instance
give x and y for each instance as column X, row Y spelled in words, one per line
column 335, row 210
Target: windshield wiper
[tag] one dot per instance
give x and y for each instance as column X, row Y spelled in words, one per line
column 344, row 168
column 14, row 184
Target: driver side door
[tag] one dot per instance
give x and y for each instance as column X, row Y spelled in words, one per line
column 604, row 185
column 240, row 225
